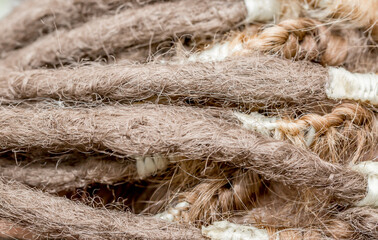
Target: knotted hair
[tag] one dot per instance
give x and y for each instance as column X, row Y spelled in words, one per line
column 35, row 18
column 187, row 132
column 258, row 83
column 132, row 27
column 46, row 216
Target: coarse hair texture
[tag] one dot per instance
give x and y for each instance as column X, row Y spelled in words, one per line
column 363, row 220
column 355, row 223
column 351, row 140
column 219, row 168
column 215, row 191
column 191, row 133
column 221, row 192
column 355, row 12
column 337, row 130
column 35, row 18
column 312, row 40
column 132, row 27
column 36, row 213
column 299, row 39
column 347, row 135
column 258, row 83
column 66, row 172
column 213, row 197
column 241, row 197
column 50, row 217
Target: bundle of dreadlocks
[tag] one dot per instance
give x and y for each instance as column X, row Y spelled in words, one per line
column 178, row 119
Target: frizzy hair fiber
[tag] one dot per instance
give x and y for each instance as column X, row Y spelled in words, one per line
column 55, row 218
column 300, row 39
column 36, row 18
column 258, row 82
column 357, row 13
column 189, row 156
column 354, row 223
column 67, row 172
column 346, row 135
column 131, row 27
column 91, row 41
column 191, row 133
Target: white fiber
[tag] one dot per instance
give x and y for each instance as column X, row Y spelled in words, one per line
column 310, row 136
column 370, row 170
column 140, row 167
column 160, row 162
column 257, row 122
column 218, row 52
column 262, row 10
column 6, row 6
column 354, row 86
column 175, row 213
column 226, row 230
column 268, row 126
column 149, row 165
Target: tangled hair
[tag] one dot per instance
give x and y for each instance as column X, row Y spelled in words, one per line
column 66, row 172
column 283, row 213
column 353, row 223
column 36, row 213
column 258, row 83
column 250, row 200
column 357, row 13
column 215, row 191
column 363, row 220
column 178, row 147
column 131, row 27
column 300, row 39
column 311, row 40
column 46, row 216
column 346, row 135
column 186, row 132
column 220, row 197
column 35, row 18
column 349, row 134
column 220, row 192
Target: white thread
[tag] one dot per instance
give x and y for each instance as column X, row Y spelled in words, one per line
column 165, row 216
column 175, row 213
column 257, row 122
column 310, row 136
column 370, row 170
column 268, row 125
column 225, row 230
column 217, row 52
column 140, row 167
column 147, row 166
column 262, row 10
column 160, row 162
column 355, row 86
